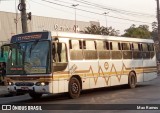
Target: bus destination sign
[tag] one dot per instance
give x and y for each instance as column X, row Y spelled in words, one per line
column 29, row 37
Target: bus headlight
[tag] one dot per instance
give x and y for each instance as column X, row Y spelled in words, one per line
column 42, row 83
column 10, row 83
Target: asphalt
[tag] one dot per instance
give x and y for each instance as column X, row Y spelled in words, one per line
column 3, row 91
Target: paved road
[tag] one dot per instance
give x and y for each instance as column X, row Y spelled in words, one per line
column 145, row 93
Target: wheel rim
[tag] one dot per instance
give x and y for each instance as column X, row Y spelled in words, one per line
column 74, row 88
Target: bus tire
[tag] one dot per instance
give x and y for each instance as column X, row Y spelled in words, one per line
column 35, row 95
column 74, row 88
column 132, row 80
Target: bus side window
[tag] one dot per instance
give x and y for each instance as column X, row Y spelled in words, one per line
column 89, row 49
column 125, row 46
column 137, row 53
column 151, row 47
column 80, row 44
column 140, row 47
column 107, row 44
column 151, row 50
column 146, row 53
column 70, row 44
column 116, row 50
column 111, row 48
column 103, row 49
column 75, row 49
column 84, row 44
column 126, row 49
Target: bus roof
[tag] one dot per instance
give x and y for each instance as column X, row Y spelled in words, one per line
column 103, row 37
column 44, row 35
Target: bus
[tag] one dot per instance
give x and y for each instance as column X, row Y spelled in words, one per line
column 3, row 60
column 56, row 62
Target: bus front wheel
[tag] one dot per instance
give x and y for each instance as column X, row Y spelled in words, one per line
column 35, row 95
column 74, row 88
column 132, row 80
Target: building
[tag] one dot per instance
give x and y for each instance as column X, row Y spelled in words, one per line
column 9, row 25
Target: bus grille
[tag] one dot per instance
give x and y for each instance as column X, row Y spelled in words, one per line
column 24, row 84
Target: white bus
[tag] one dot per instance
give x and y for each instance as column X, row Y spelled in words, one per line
column 56, row 62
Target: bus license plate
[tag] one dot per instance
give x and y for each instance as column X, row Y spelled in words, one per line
column 24, row 88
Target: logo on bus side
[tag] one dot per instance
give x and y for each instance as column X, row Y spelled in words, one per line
column 106, row 65
column 73, row 69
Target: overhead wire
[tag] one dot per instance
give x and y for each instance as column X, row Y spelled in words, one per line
column 100, row 7
column 62, row 10
column 93, row 12
column 72, row 13
column 112, row 9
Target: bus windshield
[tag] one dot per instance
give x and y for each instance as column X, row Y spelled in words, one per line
column 29, row 58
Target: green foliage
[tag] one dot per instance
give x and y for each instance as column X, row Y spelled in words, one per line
column 101, row 30
column 142, row 31
column 154, row 32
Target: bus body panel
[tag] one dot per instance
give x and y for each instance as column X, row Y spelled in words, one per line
column 94, row 73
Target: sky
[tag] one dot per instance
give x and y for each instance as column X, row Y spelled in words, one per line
column 121, row 14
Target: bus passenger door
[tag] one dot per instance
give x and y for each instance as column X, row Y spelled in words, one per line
column 60, row 67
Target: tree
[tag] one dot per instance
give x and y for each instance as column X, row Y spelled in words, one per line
column 142, row 31
column 93, row 29
column 154, row 32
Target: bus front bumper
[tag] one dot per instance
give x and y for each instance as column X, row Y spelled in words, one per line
column 28, row 89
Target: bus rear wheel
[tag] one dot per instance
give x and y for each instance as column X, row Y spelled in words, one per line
column 74, row 88
column 35, row 95
column 132, row 80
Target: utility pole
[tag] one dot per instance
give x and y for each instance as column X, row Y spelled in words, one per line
column 105, row 14
column 75, row 5
column 158, row 21
column 22, row 8
column 16, row 19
